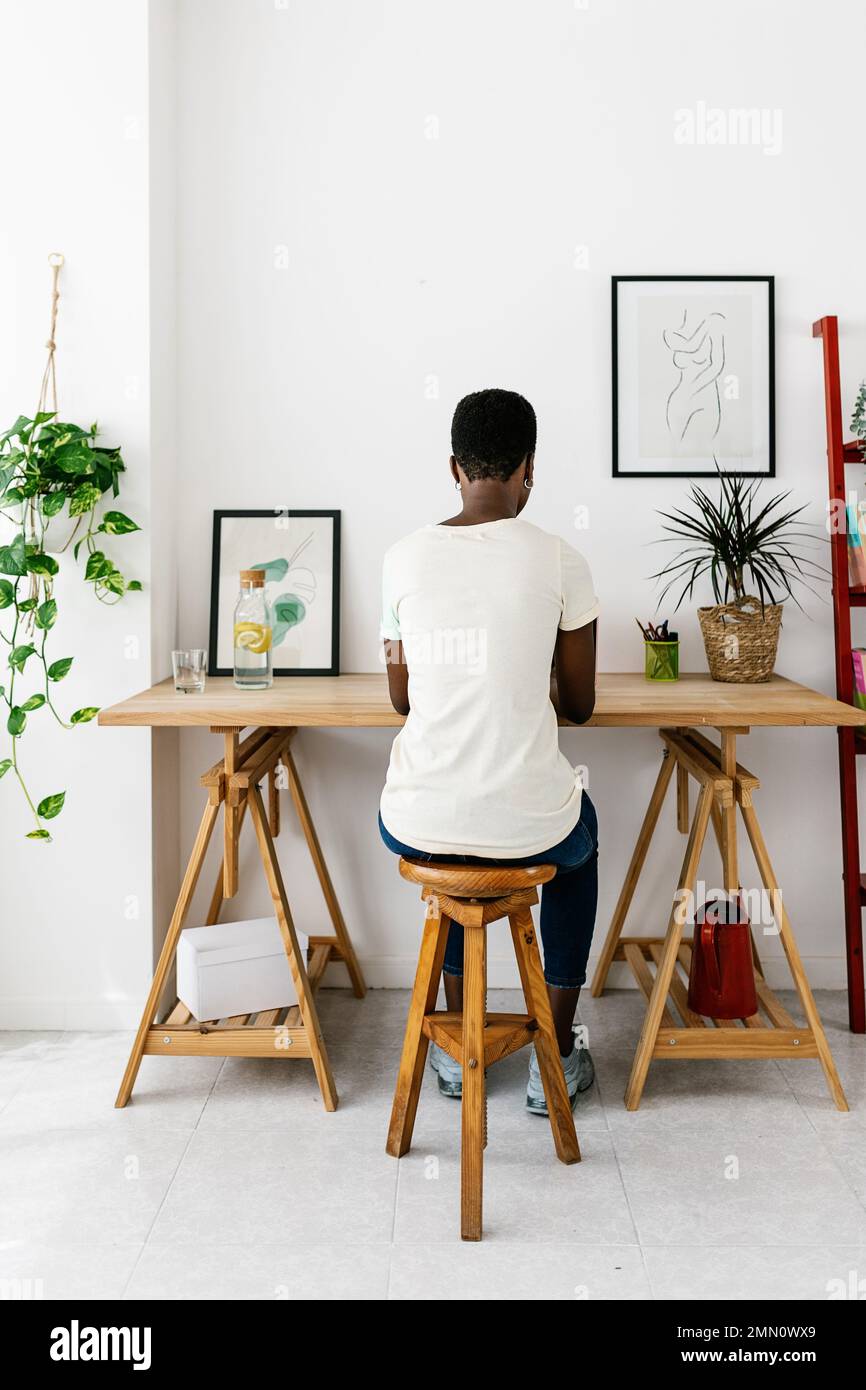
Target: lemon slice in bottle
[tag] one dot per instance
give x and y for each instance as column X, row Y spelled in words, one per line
column 253, row 637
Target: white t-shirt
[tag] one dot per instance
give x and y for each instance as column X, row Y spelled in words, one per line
column 476, row 769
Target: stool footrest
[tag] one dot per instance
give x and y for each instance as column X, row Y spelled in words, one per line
column 503, row 1034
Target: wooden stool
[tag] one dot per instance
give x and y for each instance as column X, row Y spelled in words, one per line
column 476, row 1039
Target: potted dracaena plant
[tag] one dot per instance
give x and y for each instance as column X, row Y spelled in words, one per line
column 750, row 549
column 52, row 473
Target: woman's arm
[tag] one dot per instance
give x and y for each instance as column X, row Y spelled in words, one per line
column 573, row 685
column 398, row 676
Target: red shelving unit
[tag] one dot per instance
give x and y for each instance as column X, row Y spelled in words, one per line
column 851, row 743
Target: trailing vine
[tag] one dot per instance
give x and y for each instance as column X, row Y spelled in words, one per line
column 50, row 471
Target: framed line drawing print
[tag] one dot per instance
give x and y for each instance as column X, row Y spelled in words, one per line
column 693, row 375
column 299, row 552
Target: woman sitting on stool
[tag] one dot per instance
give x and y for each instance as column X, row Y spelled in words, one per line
column 475, row 610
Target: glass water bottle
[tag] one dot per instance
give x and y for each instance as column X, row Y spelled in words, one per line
column 253, row 658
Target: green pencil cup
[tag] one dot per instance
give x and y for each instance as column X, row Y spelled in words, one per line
column 661, row 661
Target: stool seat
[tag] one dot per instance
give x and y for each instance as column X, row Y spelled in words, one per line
column 468, row 881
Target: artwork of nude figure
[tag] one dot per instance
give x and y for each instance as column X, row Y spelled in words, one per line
column 694, row 409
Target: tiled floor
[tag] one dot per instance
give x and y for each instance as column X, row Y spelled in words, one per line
column 227, row 1179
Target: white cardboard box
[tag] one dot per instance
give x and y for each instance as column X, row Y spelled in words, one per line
column 235, row 968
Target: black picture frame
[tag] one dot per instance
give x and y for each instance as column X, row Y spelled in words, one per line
column 769, row 281
column 331, row 670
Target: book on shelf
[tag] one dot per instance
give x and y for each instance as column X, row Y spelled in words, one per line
column 856, row 552
column 858, row 661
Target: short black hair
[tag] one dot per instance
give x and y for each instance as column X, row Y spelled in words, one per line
column 492, row 432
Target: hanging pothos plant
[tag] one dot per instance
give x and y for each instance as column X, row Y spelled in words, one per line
column 51, row 472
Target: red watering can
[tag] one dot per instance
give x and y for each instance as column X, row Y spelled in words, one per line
column 722, row 976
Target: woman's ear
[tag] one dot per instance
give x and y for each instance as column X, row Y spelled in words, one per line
column 455, row 473
column 529, row 469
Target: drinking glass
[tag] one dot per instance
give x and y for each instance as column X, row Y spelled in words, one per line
column 190, row 668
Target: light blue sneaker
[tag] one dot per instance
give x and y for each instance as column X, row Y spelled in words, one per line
column 579, row 1075
column 449, row 1072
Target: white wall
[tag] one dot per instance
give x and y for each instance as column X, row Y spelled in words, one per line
column 412, row 262
column 411, row 258
column 162, row 134
column 75, row 945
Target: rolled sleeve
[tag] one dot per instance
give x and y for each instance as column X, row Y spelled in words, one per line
column 579, row 602
column 389, row 625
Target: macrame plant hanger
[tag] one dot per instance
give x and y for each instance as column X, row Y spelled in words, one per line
column 47, row 393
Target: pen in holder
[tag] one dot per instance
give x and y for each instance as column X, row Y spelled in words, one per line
column 661, row 652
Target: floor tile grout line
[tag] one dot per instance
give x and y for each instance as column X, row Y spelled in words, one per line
column 604, row 1106
column 653, row 1297
column 631, row 1215
column 454, row 1242
column 610, row 1131
column 861, row 1200
column 598, row 1086
column 211, row 1089
column 611, row 1137
column 818, row 1135
column 192, row 1134
column 756, row 1245
column 396, row 1200
column 171, row 1182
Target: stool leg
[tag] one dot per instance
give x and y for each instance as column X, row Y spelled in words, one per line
column 473, row 1126
column 414, row 1053
column 547, row 1050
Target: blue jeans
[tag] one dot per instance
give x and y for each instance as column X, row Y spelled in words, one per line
column 568, row 901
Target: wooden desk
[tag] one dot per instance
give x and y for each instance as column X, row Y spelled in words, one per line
column 680, row 711
column 627, row 701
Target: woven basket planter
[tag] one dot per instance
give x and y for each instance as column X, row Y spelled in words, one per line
column 741, row 640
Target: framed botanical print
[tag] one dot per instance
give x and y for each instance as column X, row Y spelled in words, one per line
column 299, row 552
column 693, row 376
